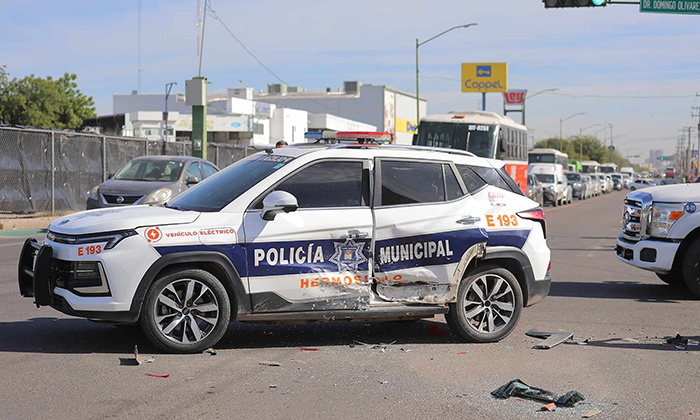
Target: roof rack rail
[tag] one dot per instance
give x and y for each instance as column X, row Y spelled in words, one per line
column 402, row 146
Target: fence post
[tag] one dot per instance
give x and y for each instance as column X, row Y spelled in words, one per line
column 104, row 158
column 216, row 147
column 146, row 143
column 53, row 173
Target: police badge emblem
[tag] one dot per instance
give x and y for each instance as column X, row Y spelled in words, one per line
column 348, row 255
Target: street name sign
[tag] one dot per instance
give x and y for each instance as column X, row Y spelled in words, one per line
column 687, row 7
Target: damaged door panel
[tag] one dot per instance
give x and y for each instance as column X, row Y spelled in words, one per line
column 424, row 232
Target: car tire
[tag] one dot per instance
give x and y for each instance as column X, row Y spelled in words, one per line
column 690, row 267
column 471, row 317
column 632, row 188
column 672, row 279
column 186, row 312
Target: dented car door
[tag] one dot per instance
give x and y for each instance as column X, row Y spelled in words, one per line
column 424, row 229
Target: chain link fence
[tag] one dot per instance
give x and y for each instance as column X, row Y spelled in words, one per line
column 51, row 171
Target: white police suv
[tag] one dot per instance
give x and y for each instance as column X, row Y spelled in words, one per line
column 316, row 232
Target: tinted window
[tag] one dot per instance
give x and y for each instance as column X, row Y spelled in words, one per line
column 216, row 192
column 473, row 182
column 193, row 170
column 573, row 177
column 509, row 181
column 208, row 170
column 491, row 176
column 454, row 191
column 411, row 182
column 327, row 184
column 547, row 179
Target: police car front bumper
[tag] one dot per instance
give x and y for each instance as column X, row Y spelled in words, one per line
column 648, row 254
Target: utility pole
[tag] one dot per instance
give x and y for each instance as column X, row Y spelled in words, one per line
column 611, row 147
column 196, row 96
column 697, row 114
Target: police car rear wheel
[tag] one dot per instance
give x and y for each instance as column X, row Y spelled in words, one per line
column 186, row 311
column 489, row 302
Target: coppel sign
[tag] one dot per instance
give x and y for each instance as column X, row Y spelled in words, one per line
column 484, row 77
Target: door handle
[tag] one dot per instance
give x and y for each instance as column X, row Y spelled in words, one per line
column 355, row 234
column 468, row 220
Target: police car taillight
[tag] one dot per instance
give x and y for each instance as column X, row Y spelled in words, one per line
column 536, row 215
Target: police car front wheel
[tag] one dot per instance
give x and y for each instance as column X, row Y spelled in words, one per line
column 186, row 311
column 489, row 302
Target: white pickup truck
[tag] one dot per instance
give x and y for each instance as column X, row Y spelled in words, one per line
column 661, row 233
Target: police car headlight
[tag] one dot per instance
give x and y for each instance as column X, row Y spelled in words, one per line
column 93, row 193
column 663, row 216
column 110, row 239
column 159, row 196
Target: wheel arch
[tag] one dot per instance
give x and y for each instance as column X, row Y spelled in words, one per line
column 685, row 244
column 216, row 263
column 517, row 262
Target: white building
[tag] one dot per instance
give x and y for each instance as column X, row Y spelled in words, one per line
column 384, row 107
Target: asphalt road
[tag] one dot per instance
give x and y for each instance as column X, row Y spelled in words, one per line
column 54, row 366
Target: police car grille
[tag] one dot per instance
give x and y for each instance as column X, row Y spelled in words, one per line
column 632, row 219
column 126, row 199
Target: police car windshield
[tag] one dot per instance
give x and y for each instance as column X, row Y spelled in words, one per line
column 214, row 193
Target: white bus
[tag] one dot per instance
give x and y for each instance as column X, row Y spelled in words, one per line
column 608, row 168
column 486, row 134
column 548, row 156
column 590, row 167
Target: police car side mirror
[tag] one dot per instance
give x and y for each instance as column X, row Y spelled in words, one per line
column 278, row 202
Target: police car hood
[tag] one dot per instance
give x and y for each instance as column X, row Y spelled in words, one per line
column 677, row 193
column 127, row 217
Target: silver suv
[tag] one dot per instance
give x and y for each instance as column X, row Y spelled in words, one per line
column 150, row 180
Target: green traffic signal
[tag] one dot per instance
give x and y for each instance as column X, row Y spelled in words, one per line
column 598, row 2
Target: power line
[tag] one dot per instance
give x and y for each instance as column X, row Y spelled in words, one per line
column 213, row 14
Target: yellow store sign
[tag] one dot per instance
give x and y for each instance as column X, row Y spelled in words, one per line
column 484, row 77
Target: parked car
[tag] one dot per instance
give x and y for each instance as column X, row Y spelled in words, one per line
column 150, row 180
column 556, row 188
column 579, row 188
column 590, row 185
column 669, row 181
column 535, row 191
column 596, row 185
column 638, row 184
column 298, row 234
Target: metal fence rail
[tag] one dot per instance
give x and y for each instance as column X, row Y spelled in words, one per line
column 50, row 170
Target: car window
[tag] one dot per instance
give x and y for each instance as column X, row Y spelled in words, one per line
column 411, row 182
column 452, row 188
column 573, row 177
column 216, row 192
column 492, row 177
column 208, row 170
column 193, row 170
column 327, row 184
column 150, row 170
column 473, row 181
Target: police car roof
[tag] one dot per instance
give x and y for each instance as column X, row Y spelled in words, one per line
column 395, row 150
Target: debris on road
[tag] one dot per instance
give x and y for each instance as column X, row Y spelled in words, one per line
column 584, row 342
column 518, row 388
column 210, row 351
column 462, row 352
column 153, row 375
column 137, row 360
column 381, row 346
column 552, row 339
column 681, row 341
column 591, row 413
column 383, row 382
column 549, row 407
column 434, row 331
column 308, row 348
column 273, row 386
column 270, row 363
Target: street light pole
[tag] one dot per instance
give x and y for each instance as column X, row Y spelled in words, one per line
column 418, row 44
column 580, row 138
column 561, row 121
column 530, row 96
column 168, row 88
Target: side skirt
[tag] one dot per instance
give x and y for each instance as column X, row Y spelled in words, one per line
column 379, row 313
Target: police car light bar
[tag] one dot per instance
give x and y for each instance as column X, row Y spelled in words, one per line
column 354, row 136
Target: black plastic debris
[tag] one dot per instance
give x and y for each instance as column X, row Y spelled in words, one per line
column 517, row 388
column 552, row 339
column 680, row 341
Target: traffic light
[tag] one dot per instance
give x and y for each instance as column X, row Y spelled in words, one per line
column 573, row 3
column 662, row 158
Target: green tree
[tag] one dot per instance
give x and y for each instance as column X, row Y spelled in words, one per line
column 39, row 102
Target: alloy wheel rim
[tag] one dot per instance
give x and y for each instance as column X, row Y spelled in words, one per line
column 186, row 311
column 489, row 304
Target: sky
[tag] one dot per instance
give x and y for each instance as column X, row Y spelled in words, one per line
column 639, row 72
